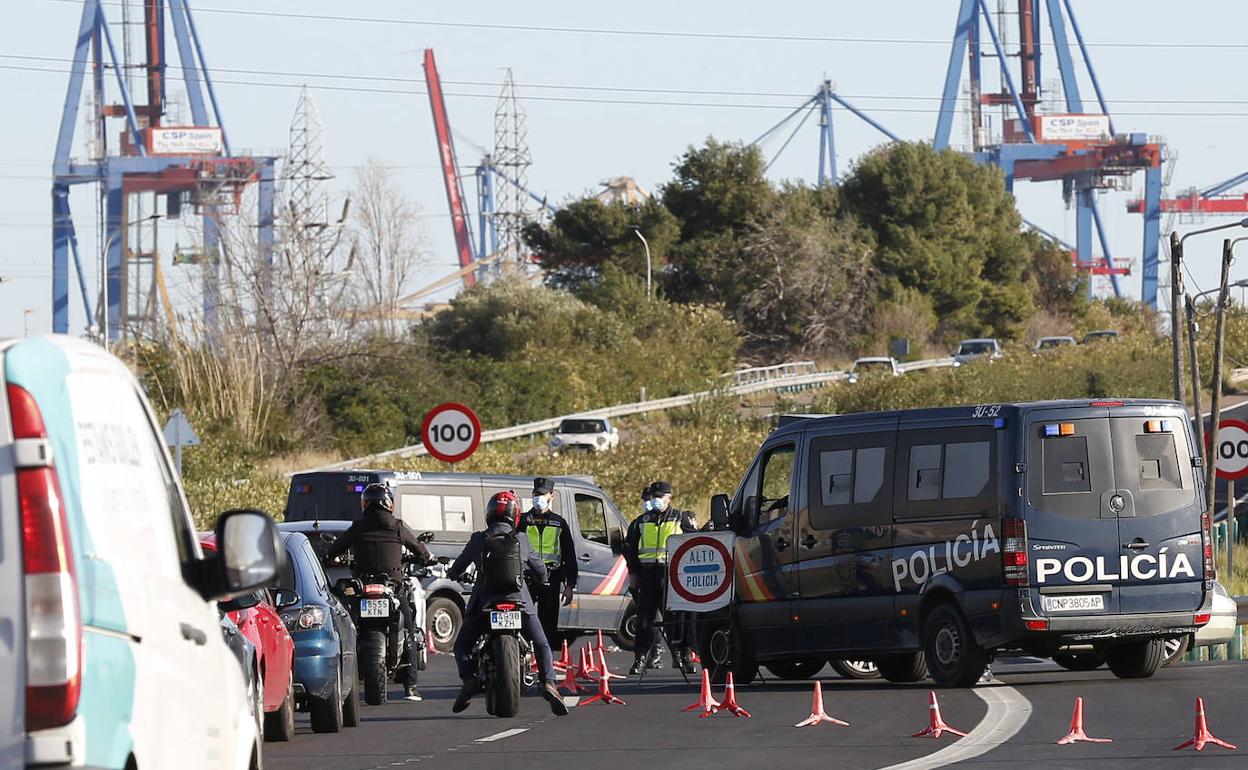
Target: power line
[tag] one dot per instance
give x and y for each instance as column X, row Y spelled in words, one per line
column 653, row 33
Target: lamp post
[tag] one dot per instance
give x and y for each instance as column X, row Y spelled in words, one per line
column 647, row 245
column 1176, row 294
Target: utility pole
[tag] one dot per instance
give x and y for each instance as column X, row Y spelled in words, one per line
column 1192, row 329
column 1216, row 404
column 1176, row 292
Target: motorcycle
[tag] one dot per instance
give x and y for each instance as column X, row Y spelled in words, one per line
column 504, row 659
column 374, row 604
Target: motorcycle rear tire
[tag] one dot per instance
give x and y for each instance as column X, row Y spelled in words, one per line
column 506, row 682
column 373, row 666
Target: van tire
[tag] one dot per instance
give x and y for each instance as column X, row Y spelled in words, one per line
column 279, row 726
column 796, row 668
column 1138, row 660
column 351, row 706
column 1079, row 661
column 902, row 669
column 719, row 647
column 626, row 635
column 954, row 659
column 326, row 713
column 445, row 619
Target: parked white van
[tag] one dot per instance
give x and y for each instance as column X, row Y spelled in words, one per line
column 111, row 653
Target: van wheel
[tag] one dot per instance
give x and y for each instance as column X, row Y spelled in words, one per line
column 1175, row 647
column 858, row 669
column 444, row 618
column 626, row 636
column 1079, row 661
column 719, row 647
column 953, row 658
column 279, row 726
column 910, row 667
column 326, row 713
column 801, row 668
column 1138, row 660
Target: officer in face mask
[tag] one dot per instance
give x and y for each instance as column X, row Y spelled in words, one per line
column 551, row 540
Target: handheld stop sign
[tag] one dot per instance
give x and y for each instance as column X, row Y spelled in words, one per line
column 450, row 432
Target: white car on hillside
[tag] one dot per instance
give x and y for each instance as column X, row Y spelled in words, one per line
column 593, row 434
column 873, row 365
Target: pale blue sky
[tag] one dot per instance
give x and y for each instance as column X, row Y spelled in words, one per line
column 575, row 144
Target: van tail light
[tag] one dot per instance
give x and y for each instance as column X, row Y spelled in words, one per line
column 53, row 624
column 1206, row 541
column 1014, row 552
column 1202, row 618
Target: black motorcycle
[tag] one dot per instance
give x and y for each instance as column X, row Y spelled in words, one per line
column 504, row 659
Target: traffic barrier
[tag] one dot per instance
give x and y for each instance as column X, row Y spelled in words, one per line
column 1202, row 735
column 817, row 713
column 730, row 698
column 706, row 701
column 603, row 671
column 936, row 723
column 604, row 693
column 1076, row 728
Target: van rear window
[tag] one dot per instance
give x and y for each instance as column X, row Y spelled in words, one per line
column 1066, row 465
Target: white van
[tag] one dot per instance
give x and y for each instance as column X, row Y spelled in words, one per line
column 115, row 656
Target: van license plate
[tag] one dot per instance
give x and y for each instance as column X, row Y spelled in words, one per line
column 1073, row 603
column 374, row 608
column 509, row 621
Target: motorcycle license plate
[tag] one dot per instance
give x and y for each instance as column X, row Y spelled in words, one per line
column 375, row 608
column 1073, row 603
column 509, row 621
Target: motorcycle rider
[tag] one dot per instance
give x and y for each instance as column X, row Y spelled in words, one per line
column 502, row 518
column 377, row 540
column 550, row 536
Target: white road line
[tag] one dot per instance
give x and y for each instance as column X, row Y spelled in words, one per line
column 1008, row 711
column 502, row 735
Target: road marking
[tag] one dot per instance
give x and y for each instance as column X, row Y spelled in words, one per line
column 1008, row 711
column 502, row 735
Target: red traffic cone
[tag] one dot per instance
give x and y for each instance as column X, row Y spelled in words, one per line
column 589, row 667
column 569, row 682
column 817, row 714
column 730, row 699
column 565, row 659
column 937, row 725
column 601, row 647
column 1076, row 728
column 603, row 671
column 695, row 660
column 430, row 647
column 1203, row 736
column 604, row 693
column 706, row 701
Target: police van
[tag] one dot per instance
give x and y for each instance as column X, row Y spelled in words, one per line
column 452, row 506
column 935, row 539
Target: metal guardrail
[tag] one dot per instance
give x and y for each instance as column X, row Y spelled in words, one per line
column 765, row 378
column 773, row 372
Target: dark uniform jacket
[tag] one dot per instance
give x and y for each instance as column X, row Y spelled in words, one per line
column 376, row 541
column 472, row 554
column 633, row 538
column 566, row 572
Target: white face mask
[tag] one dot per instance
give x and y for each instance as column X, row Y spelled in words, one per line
column 542, row 502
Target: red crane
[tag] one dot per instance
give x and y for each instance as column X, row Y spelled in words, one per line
column 450, row 169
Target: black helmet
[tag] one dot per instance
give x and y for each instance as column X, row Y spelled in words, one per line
column 378, row 493
column 503, row 506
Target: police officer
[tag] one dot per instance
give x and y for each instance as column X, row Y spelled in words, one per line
column 551, row 539
column 377, row 541
column 645, row 551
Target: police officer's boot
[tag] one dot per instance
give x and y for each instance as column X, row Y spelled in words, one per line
column 466, row 691
column 638, row 665
column 656, row 657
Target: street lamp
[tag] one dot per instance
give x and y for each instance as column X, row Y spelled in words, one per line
column 647, row 245
column 1240, row 284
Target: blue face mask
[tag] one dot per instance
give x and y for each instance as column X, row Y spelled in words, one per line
column 542, row 502
column 647, row 505
column 658, row 505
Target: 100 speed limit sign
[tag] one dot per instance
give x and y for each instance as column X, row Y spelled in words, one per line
column 1231, row 457
column 450, row 432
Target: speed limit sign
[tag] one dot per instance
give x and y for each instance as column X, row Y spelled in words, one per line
column 450, row 432
column 1231, row 457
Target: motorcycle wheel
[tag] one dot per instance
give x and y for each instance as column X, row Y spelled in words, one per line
column 373, row 663
column 506, row 684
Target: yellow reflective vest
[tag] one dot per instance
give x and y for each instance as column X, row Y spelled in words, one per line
column 544, row 540
column 652, row 545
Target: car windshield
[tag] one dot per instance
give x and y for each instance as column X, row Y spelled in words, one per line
column 1053, row 342
column 975, row 348
column 582, row 426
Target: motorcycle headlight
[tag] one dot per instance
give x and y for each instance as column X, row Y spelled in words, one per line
column 307, row 618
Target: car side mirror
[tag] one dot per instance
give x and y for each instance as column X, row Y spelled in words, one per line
column 285, row 597
column 719, row 512
column 238, row 603
column 425, row 537
column 249, row 556
column 615, row 538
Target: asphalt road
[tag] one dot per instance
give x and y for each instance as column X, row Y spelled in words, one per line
column 1012, row 723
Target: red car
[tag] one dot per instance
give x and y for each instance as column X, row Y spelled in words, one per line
column 257, row 619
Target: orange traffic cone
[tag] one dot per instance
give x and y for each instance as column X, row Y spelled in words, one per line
column 569, row 682
column 937, row 725
column 589, row 668
column 565, row 659
column 603, row 671
column 1076, row 728
column 604, row 693
column 817, row 714
column 706, row 701
column 1203, row 736
column 730, row 699
column 430, row 647
column 601, row 647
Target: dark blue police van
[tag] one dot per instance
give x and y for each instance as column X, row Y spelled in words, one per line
column 932, row 540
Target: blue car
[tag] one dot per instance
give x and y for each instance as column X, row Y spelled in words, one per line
column 325, row 664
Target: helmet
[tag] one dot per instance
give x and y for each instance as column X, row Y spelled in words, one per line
column 503, row 506
column 378, row 494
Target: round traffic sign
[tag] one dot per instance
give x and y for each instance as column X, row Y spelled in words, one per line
column 450, row 432
column 1231, row 455
column 700, row 569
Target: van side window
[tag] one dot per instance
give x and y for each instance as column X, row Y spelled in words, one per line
column 767, row 491
column 426, row 511
column 592, row 518
column 924, row 472
column 966, row 470
column 849, row 480
column 950, row 471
